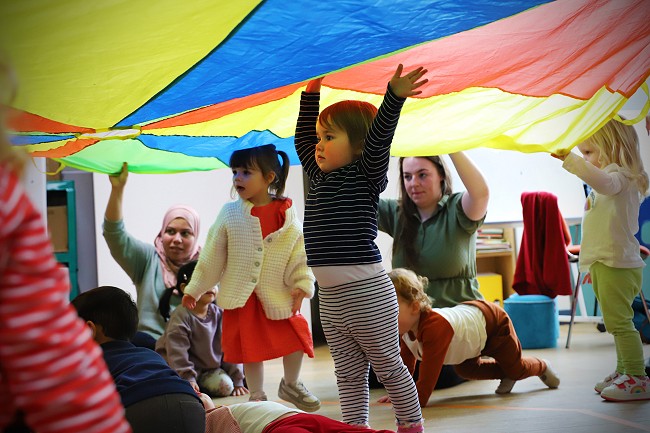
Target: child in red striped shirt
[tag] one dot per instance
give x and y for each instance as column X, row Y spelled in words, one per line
column 51, row 372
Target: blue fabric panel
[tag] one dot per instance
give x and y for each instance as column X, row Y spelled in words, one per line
column 284, row 42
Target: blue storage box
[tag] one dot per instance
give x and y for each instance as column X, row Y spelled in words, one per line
column 535, row 318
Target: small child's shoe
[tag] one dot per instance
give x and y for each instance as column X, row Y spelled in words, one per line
column 505, row 386
column 410, row 427
column 627, row 388
column 550, row 377
column 606, row 382
column 299, row 395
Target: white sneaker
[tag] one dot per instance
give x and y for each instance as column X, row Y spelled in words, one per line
column 606, row 382
column 550, row 377
column 300, row 396
column 628, row 388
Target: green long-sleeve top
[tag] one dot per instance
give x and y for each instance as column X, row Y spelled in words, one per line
column 142, row 264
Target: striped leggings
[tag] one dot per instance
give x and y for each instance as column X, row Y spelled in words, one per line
column 360, row 323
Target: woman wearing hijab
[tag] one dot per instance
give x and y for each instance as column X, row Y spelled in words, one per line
column 152, row 268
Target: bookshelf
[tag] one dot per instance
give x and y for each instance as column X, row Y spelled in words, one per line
column 495, row 253
column 62, row 227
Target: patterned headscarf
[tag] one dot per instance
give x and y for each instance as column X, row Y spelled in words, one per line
column 188, row 214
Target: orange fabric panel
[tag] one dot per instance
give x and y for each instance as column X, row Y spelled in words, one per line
column 22, row 121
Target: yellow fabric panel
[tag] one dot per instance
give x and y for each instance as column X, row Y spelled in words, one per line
column 500, row 120
column 490, row 118
column 134, row 49
column 278, row 116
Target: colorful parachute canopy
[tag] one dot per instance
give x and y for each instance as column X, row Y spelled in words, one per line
column 174, row 86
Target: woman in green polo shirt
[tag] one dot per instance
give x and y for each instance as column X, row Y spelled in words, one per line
column 434, row 229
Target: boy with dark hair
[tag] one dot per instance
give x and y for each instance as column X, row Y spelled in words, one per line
column 155, row 397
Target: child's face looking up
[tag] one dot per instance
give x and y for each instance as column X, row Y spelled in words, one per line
column 333, row 149
column 590, row 153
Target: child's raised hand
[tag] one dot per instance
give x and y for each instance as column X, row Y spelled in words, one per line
column 118, row 180
column 239, row 390
column 188, row 302
column 560, row 157
column 405, row 86
column 314, row 85
column 297, row 295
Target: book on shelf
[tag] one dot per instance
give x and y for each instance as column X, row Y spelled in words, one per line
column 490, row 232
column 499, row 246
column 491, row 240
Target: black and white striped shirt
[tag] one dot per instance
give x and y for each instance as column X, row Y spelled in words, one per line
column 340, row 224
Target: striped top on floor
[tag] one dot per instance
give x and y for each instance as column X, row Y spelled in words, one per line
column 50, row 368
column 340, row 224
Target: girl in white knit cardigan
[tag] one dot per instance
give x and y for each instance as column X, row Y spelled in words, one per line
column 255, row 251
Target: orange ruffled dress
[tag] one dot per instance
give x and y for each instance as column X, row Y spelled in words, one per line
column 248, row 335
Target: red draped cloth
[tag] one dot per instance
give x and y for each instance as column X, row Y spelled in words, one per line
column 542, row 264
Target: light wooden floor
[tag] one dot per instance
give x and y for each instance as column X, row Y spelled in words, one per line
column 474, row 407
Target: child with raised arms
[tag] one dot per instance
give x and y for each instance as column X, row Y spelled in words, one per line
column 255, row 252
column 613, row 168
column 476, row 337
column 345, row 151
column 191, row 343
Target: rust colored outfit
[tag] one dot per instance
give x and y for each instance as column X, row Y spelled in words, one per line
column 460, row 336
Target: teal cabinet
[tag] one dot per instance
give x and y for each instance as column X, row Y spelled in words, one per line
column 62, row 227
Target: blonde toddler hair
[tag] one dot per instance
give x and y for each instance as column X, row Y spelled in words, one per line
column 619, row 144
column 410, row 287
